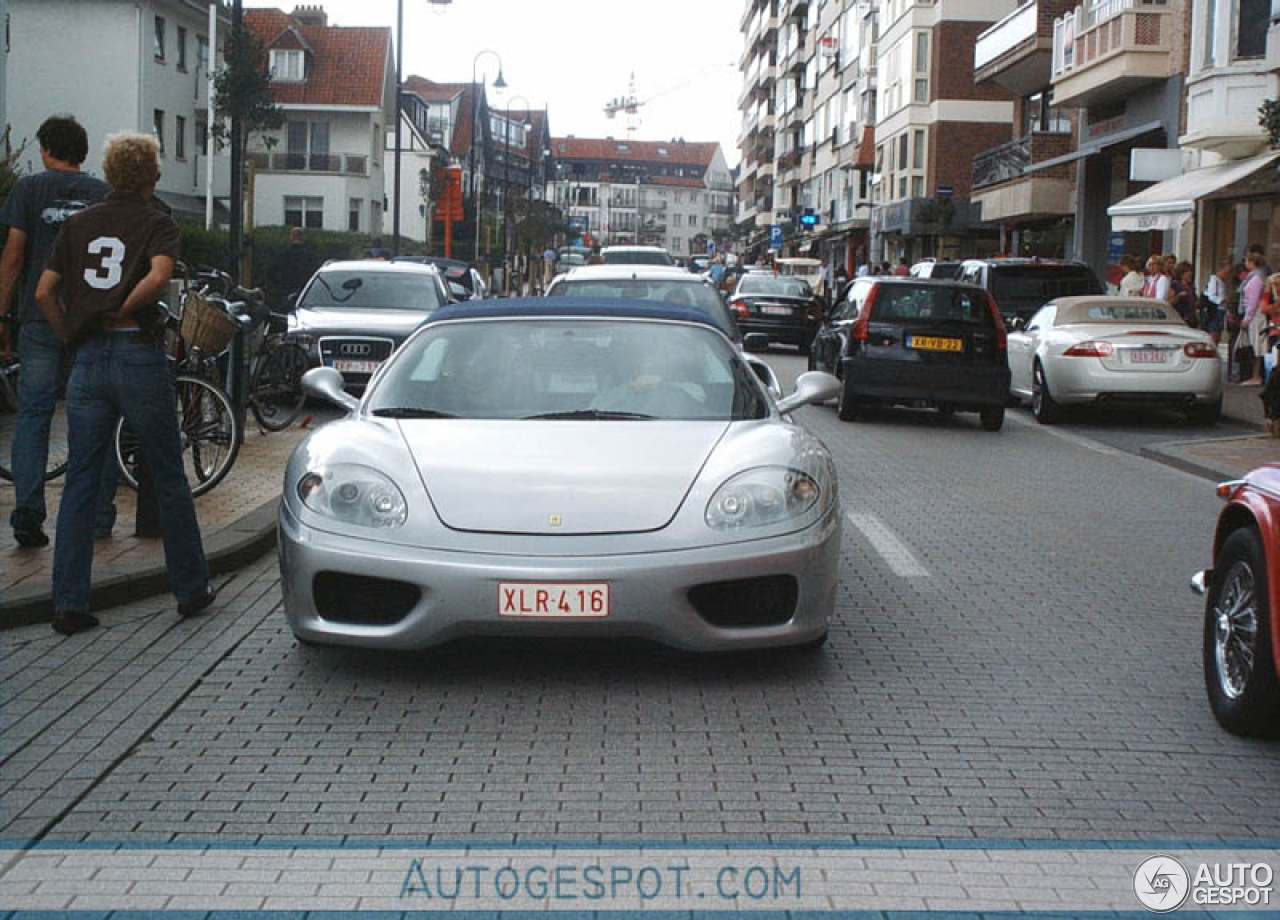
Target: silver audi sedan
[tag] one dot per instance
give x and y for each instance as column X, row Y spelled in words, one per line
column 562, row 467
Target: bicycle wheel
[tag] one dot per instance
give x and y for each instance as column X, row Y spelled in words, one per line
column 56, row 464
column 209, row 432
column 275, row 394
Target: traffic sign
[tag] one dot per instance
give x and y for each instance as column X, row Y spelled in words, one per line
column 775, row 236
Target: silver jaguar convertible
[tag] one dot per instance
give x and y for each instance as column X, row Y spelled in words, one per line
column 562, row 467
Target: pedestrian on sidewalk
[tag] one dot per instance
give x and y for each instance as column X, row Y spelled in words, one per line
column 1253, row 319
column 1182, row 293
column 1132, row 281
column 109, row 266
column 35, row 210
column 1213, row 305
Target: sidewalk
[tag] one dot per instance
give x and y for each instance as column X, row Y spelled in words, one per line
column 237, row 521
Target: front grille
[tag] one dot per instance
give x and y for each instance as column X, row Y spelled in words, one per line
column 766, row 601
column 355, row 348
column 360, row 599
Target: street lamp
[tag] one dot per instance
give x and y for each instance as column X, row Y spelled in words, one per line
column 395, row 194
column 498, row 84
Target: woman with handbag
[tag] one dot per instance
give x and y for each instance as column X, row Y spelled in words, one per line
column 1253, row 320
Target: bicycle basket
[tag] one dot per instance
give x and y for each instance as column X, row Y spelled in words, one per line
column 206, row 326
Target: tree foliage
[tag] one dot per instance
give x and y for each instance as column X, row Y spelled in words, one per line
column 1269, row 119
column 242, row 88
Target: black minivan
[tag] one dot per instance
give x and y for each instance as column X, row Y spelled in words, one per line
column 912, row 341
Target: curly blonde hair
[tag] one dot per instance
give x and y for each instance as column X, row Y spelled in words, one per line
column 130, row 161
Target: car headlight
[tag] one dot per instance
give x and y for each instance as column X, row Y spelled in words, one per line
column 760, row 497
column 354, row 494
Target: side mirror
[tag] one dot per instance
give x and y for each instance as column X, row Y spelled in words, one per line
column 1017, row 324
column 812, row 387
column 755, row 342
column 327, row 384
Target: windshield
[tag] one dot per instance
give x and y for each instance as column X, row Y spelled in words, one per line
column 364, row 290
column 569, row 368
column 685, row 293
column 904, row 303
column 1119, row 312
column 1041, row 283
column 636, row 257
column 769, row 284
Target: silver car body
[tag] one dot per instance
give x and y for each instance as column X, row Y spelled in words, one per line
column 362, row 337
column 494, row 502
column 621, row 280
column 1148, row 360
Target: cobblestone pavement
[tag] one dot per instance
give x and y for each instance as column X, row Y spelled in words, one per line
column 1015, row 654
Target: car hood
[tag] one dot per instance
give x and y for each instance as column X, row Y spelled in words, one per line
column 362, row 321
column 559, row 477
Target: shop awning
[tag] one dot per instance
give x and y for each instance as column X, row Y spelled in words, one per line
column 1168, row 204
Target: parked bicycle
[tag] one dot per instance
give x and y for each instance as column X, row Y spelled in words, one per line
column 57, row 463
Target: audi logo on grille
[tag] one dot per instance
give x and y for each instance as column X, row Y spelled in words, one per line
column 355, row 348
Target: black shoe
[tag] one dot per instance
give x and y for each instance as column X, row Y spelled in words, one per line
column 197, row 604
column 27, row 530
column 70, row 622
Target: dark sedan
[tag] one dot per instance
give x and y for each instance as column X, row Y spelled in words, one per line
column 785, row 309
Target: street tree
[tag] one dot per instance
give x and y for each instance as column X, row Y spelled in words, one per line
column 242, row 89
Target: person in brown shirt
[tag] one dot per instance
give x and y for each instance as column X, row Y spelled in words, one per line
column 109, row 266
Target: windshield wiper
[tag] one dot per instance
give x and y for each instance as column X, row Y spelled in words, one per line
column 589, row 414
column 409, row 412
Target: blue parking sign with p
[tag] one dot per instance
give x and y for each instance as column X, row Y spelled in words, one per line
column 775, row 236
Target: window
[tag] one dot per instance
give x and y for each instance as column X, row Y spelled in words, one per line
column 202, row 136
column 693, row 220
column 202, row 53
column 1251, row 28
column 354, row 209
column 182, row 48
column 675, row 243
column 917, row 152
column 159, row 39
column 180, row 138
column 157, row 122
column 308, row 146
column 675, row 220
column 302, row 211
column 288, row 65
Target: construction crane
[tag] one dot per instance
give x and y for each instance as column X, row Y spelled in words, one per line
column 627, row 104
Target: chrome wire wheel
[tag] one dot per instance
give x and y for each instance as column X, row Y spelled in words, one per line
column 1236, row 630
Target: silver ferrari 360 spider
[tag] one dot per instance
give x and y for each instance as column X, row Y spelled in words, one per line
column 562, row 467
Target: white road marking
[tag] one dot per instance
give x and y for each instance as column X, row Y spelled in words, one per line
column 896, row 554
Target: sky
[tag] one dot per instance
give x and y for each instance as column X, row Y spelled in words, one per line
column 574, row 56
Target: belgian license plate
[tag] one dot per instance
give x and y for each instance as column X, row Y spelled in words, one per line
column 1148, row 356
column 935, row 343
column 775, row 311
column 568, row 601
column 348, row 366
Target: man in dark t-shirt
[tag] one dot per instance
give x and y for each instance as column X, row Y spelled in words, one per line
column 34, row 212
column 109, row 266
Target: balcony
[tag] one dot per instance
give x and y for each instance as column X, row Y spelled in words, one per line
column 652, row 207
column 1222, row 110
column 330, row 163
column 1007, row 188
column 1017, row 52
column 1106, row 49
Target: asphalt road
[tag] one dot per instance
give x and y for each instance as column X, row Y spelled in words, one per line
column 1015, row 654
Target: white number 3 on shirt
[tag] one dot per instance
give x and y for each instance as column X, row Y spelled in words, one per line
column 109, row 273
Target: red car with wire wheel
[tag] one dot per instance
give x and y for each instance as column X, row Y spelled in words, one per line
column 1242, row 606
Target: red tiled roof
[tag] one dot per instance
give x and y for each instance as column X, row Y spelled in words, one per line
column 581, row 148
column 430, row 91
column 348, row 65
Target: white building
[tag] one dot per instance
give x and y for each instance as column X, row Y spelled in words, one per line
column 117, row 66
column 325, row 167
column 674, row 194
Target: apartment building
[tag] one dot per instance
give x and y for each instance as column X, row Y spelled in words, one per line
column 677, row 194
column 325, row 167
column 1026, row 186
column 141, row 66
column 1222, row 191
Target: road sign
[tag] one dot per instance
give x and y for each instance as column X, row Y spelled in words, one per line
column 945, row 191
column 808, row 218
column 775, row 237
column 711, row 247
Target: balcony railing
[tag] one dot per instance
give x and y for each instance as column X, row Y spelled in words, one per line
column 1010, row 161
column 653, row 207
column 1005, row 35
column 1102, row 28
column 334, row 163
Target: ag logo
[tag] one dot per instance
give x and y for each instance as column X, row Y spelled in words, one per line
column 1161, row 883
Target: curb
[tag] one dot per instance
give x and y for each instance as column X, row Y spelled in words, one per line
column 1170, row 455
column 233, row 546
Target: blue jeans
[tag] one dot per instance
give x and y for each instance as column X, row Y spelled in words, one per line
column 116, row 375
column 40, row 355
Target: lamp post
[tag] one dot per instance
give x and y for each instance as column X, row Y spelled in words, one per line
column 395, row 192
column 475, row 138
